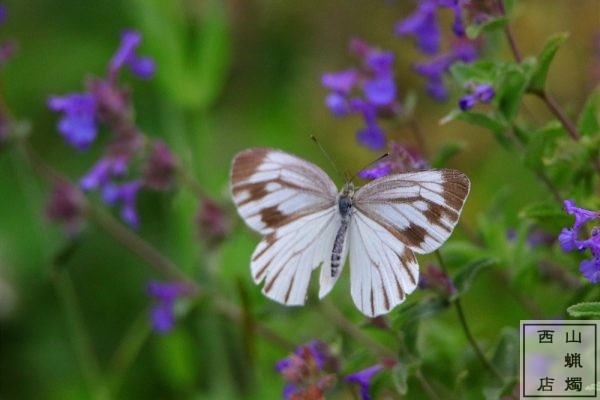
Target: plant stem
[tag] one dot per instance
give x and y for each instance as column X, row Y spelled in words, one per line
column 547, row 98
column 137, row 245
column 127, row 351
column 234, row 313
column 555, row 108
column 83, row 347
column 467, row 329
column 509, row 35
column 145, row 250
column 339, row 320
column 426, row 385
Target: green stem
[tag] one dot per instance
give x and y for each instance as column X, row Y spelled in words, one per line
column 426, row 385
column 466, row 329
column 138, row 246
column 336, row 317
column 127, row 351
column 81, row 339
column 547, row 98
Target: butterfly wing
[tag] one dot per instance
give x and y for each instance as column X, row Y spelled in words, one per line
column 382, row 269
column 396, row 215
column 293, row 203
column 270, row 188
column 421, row 208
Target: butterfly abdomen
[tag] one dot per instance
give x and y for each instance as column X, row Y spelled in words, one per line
column 338, row 245
column 345, row 209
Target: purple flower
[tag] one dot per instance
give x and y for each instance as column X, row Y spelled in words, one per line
column 380, row 91
column 9, row 47
column 308, row 372
column 97, row 176
column 437, row 280
column 400, row 159
column 78, row 124
column 569, row 240
column 363, row 378
column 340, row 82
column 369, row 90
column 378, row 171
column 143, row 67
column 371, row 137
column 457, row 25
column 591, row 269
column 124, row 195
column 581, row 214
column 66, row 206
column 3, row 13
column 213, row 222
column 165, row 294
column 435, row 68
column 483, row 93
column 107, row 103
column 338, row 104
column 160, row 168
column 423, row 26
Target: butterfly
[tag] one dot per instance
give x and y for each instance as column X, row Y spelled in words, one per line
column 307, row 223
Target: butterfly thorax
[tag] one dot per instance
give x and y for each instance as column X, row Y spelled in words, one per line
column 345, row 201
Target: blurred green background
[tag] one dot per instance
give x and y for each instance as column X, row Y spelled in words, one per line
column 231, row 75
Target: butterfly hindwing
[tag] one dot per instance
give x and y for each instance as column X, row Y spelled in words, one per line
column 285, row 258
column 382, row 269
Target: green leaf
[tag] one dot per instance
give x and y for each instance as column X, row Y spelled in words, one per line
column 538, row 80
column 512, row 83
column 548, row 215
column 192, row 53
column 464, row 277
column 509, row 6
column 174, row 357
column 494, row 123
column 416, row 311
column 589, row 119
column 539, row 142
column 506, row 354
column 506, row 361
column 400, row 374
column 484, row 120
column 491, row 24
column 585, row 310
column 479, row 71
column 540, row 210
column 212, row 64
column 447, row 151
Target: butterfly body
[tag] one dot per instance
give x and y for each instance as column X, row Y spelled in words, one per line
column 345, row 210
column 306, row 223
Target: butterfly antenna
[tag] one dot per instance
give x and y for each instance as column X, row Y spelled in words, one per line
column 371, row 163
column 314, row 139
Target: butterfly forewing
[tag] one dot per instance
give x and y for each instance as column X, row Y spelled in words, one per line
column 419, row 208
column 293, row 203
column 270, row 188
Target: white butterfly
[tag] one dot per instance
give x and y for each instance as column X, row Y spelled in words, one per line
column 306, row 223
